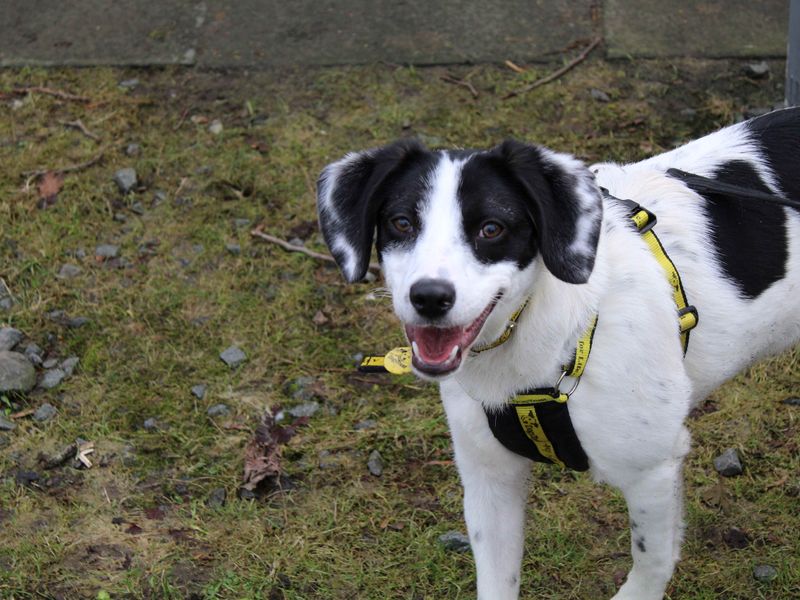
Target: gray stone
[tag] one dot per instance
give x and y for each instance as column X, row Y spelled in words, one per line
column 51, row 378
column 296, row 241
column 233, row 356
column 68, row 365
column 728, row 464
column 6, row 302
column 370, row 277
column 34, row 354
column 365, row 424
column 234, row 249
column 106, row 251
column 129, row 84
column 50, row 363
column 126, row 179
column 791, row 401
column 6, row 424
column 375, row 463
column 150, row 424
column 77, row 322
column 68, row 271
column 80, row 253
column 9, row 337
column 218, row 410
column 241, row 223
column 133, row 150
column 159, row 197
column 120, row 217
column 307, row 409
column 16, row 372
column 599, row 95
column 45, row 412
column 217, row 497
column 199, row 391
column 301, row 388
column 455, row 541
column 765, row 573
column 758, row 70
column 137, row 208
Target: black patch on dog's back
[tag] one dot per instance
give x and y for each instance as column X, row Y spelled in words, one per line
column 749, row 235
column 778, row 134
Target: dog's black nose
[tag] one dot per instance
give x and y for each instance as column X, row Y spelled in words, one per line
column 432, row 297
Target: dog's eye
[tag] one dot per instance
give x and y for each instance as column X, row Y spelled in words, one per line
column 490, row 230
column 402, row 225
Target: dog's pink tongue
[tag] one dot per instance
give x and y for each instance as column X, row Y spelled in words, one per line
column 434, row 344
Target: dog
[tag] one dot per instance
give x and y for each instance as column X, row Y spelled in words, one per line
column 526, row 246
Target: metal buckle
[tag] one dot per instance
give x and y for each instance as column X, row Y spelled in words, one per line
column 574, row 385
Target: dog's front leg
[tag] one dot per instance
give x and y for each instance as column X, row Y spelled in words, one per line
column 495, row 484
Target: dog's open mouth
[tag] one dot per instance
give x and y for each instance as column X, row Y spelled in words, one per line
column 438, row 350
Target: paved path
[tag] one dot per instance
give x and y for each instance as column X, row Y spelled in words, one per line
column 255, row 33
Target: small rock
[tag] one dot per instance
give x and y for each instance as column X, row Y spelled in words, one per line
column 375, row 463
column 68, row 365
column 68, row 271
column 233, row 357
column 137, row 208
column 129, row 84
column 245, row 494
column 791, row 401
column 455, row 541
column 241, row 223
column 306, row 409
column 126, row 179
column 757, row 70
column 217, row 497
column 34, row 354
column 365, row 424
column 218, row 410
column 6, row 424
column 199, row 391
column 133, row 150
column 764, row 573
column 9, row 337
column 234, row 249
column 728, row 464
column 370, row 277
column 5, row 302
column 16, row 372
column 106, row 251
column 76, row 322
column 51, row 378
column 599, row 95
column 45, row 412
column 215, row 128
column 50, row 363
column 296, row 241
column 301, row 388
column 159, row 197
column 26, row 477
column 150, row 424
column 80, row 254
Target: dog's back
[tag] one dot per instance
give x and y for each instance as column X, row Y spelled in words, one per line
column 738, row 255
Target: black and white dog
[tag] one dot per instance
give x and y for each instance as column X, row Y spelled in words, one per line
column 466, row 237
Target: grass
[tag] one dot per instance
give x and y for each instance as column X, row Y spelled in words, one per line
column 159, row 321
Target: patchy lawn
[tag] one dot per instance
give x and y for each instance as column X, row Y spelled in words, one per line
column 147, row 519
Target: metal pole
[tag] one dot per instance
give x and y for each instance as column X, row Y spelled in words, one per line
column 793, row 60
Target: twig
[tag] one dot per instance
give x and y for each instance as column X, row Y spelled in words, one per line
column 78, row 124
column 558, row 73
column 31, row 175
column 515, row 67
column 51, row 92
column 292, row 248
column 461, row 82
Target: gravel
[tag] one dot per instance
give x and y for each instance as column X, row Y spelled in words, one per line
column 234, row 249
column 218, row 410
column 217, row 498
column 764, row 573
column 199, row 391
column 455, row 541
column 50, row 363
column 6, row 425
column 9, row 337
column 45, row 412
column 51, row 378
column 106, row 251
column 375, row 463
column 68, row 271
column 137, row 208
column 728, row 463
column 233, row 356
column 68, row 365
column 307, row 409
column 34, row 353
column 16, row 372
column 126, row 179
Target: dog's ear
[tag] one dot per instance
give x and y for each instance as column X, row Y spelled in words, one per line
column 348, row 202
column 564, row 203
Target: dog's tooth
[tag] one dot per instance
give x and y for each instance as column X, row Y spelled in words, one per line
column 453, row 352
column 415, row 348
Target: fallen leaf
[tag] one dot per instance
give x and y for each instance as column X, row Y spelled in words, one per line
column 262, row 455
column 49, row 185
column 717, row 496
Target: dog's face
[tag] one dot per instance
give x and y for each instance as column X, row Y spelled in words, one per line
column 461, row 235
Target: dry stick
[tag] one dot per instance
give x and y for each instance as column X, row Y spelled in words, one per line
column 292, row 248
column 51, row 92
column 461, row 82
column 556, row 74
column 31, row 175
column 78, row 124
column 515, row 67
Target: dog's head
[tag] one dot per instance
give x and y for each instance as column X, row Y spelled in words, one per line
column 461, row 235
